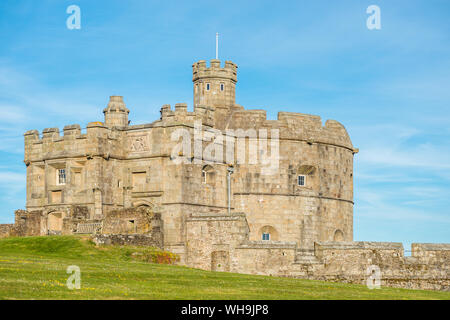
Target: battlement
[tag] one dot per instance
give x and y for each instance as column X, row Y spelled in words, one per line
column 69, row 132
column 200, row 70
column 53, row 143
column 181, row 114
column 72, row 131
column 293, row 125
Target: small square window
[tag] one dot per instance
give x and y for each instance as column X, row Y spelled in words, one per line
column 61, row 176
column 207, row 86
column 301, row 180
column 266, row 236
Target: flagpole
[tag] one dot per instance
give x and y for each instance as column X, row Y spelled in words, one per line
column 217, row 45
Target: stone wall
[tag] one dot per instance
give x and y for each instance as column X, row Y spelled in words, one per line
column 221, row 242
column 211, row 240
column 152, row 240
column 141, row 220
column 265, row 258
column 350, row 262
column 77, row 215
column 27, row 223
column 5, row 230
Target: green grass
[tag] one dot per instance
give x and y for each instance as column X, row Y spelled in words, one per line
column 35, row 268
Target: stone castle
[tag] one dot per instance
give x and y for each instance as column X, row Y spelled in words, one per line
column 125, row 184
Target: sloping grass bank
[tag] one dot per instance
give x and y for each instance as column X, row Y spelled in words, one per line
column 35, row 268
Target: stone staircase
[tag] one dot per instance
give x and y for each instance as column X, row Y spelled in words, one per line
column 305, row 256
column 304, row 264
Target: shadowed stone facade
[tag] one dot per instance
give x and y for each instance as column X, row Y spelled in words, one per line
column 120, row 180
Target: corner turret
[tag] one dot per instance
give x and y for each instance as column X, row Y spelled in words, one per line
column 116, row 113
column 214, row 86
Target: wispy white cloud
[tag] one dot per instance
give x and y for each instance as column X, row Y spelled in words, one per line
column 35, row 101
column 384, row 205
column 9, row 178
column 12, row 114
column 422, row 156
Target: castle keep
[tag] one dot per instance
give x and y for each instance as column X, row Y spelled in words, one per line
column 134, row 184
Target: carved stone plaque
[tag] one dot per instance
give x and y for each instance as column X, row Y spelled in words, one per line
column 138, row 143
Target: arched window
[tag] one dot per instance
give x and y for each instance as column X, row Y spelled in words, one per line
column 268, row 233
column 305, row 175
column 208, row 175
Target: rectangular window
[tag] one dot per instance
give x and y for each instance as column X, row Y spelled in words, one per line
column 203, row 176
column 61, row 176
column 207, row 87
column 301, row 180
column 222, row 86
column 266, row 236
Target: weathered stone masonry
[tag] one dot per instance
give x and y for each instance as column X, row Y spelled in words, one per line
column 121, row 183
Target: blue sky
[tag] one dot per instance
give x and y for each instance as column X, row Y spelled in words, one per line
column 389, row 87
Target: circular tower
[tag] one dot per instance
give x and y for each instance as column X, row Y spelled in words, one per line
column 215, row 86
column 116, row 113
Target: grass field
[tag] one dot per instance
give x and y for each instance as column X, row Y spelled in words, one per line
column 35, row 268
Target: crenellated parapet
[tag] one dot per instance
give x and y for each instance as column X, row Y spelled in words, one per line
column 72, row 131
column 50, row 134
column 180, row 115
column 98, row 140
column 201, row 71
column 295, row 126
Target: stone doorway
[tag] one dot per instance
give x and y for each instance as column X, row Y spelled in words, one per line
column 55, row 223
column 220, row 261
